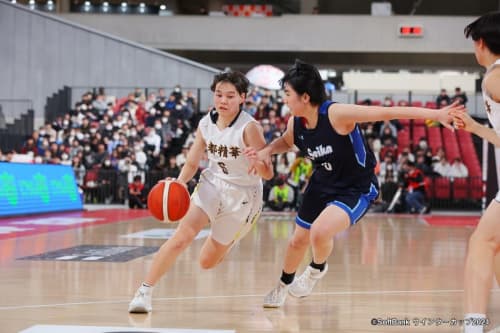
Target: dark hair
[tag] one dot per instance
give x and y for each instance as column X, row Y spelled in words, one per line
column 410, row 163
column 487, row 28
column 237, row 79
column 305, row 79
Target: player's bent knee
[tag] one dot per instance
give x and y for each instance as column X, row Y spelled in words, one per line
column 320, row 235
column 298, row 242
column 208, row 262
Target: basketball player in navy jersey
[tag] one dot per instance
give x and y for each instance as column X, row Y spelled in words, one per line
column 484, row 244
column 343, row 184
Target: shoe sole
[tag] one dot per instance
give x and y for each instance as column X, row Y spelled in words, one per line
column 296, row 295
column 139, row 310
column 271, row 306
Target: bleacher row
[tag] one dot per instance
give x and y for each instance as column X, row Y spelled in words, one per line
column 455, row 144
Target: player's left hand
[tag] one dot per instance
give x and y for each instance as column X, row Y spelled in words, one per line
column 255, row 157
column 445, row 115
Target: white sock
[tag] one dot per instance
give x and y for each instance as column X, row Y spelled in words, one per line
column 147, row 286
column 472, row 327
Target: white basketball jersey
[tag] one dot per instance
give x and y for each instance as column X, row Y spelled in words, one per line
column 225, row 150
column 492, row 107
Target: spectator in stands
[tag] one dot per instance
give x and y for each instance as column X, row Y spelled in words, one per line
column 388, row 124
column 101, row 154
column 415, row 189
column 282, row 165
column 182, row 156
column 422, row 164
column 281, row 196
column 388, row 166
column 100, row 105
column 107, row 177
column 172, row 170
column 459, row 96
column 443, row 99
column 78, row 169
column 406, row 155
column 442, row 167
column 388, row 101
column 152, row 142
column 136, row 193
column 439, row 154
column 387, row 136
column 388, row 189
column 177, row 94
column 29, row 146
column 458, row 169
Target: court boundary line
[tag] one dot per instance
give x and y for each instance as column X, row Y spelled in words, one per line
column 332, row 293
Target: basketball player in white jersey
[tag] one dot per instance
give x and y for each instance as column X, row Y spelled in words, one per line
column 227, row 197
column 484, row 244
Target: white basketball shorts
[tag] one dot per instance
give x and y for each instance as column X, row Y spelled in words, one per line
column 232, row 209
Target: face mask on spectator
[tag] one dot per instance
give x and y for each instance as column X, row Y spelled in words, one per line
column 133, row 133
column 110, row 113
column 164, row 120
column 87, row 148
column 64, row 157
column 177, row 89
column 153, row 111
column 38, row 160
column 126, row 115
column 178, row 107
column 83, row 107
column 66, row 122
column 116, row 137
column 93, row 130
column 158, row 126
column 107, row 163
column 109, row 127
column 42, row 133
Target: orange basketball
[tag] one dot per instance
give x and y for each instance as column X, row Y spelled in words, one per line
column 168, row 201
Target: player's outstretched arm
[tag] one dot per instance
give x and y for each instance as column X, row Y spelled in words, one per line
column 345, row 116
column 193, row 159
column 464, row 121
column 253, row 136
column 280, row 145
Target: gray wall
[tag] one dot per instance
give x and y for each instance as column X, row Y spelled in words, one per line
column 39, row 54
column 308, row 33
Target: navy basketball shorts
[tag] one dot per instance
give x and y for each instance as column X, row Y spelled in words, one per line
column 355, row 204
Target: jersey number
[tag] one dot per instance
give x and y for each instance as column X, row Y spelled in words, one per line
column 223, row 167
column 327, row 166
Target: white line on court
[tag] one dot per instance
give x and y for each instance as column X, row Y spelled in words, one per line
column 331, row 293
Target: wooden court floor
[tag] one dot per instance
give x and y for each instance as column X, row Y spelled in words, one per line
column 384, row 267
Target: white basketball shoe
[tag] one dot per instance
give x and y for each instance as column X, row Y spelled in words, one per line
column 142, row 300
column 304, row 284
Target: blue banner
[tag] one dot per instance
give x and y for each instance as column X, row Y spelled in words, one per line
column 37, row 188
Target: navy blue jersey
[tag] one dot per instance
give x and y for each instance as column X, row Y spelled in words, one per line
column 342, row 163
